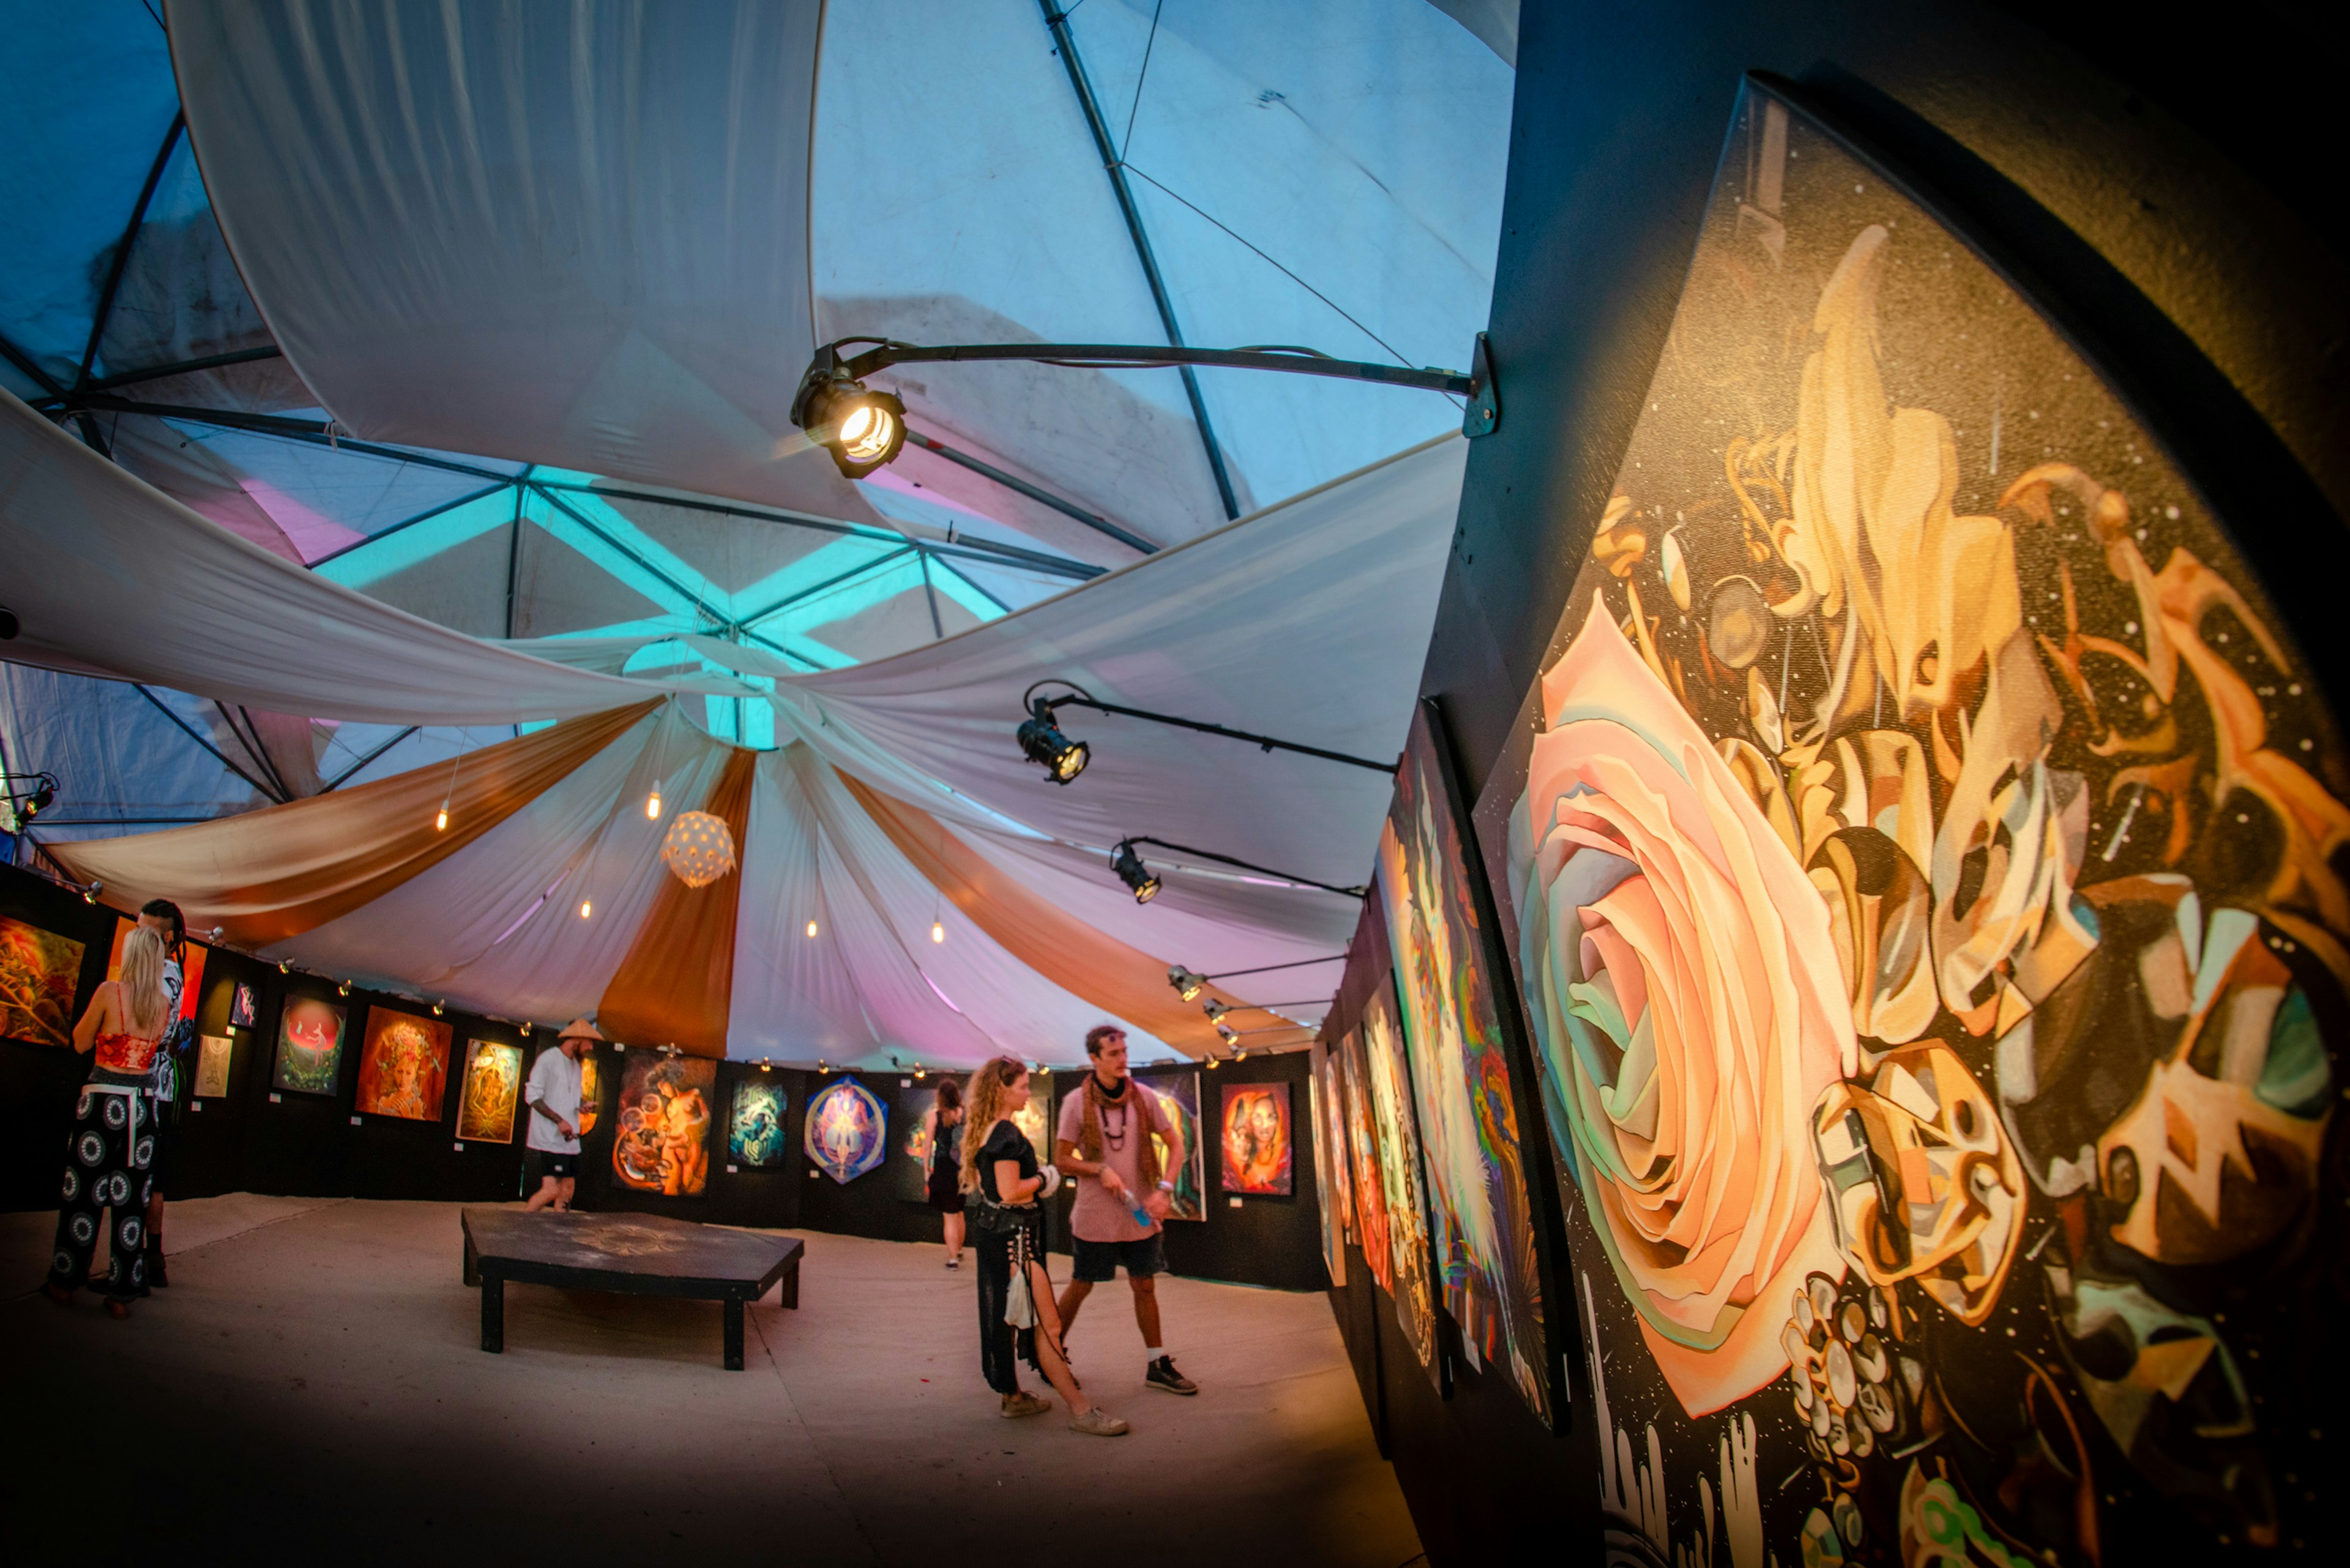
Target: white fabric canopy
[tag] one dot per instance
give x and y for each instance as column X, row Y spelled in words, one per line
column 571, row 235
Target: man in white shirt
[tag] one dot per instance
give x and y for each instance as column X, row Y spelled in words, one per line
column 551, row 1151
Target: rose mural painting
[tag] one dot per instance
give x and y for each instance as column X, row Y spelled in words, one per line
column 1918, row 864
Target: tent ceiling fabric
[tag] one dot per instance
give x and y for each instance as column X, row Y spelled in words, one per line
column 566, row 234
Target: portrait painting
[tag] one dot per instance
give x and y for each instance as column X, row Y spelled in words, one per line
column 1328, row 1178
column 487, row 1092
column 1401, row 1174
column 1481, row 1217
column 660, row 1135
column 215, row 1053
column 1179, row 1096
column 244, row 1006
column 755, row 1127
column 403, row 1065
column 1369, row 1187
column 310, row 1047
column 38, row 973
column 1256, row 1143
column 1922, row 862
column 848, row 1130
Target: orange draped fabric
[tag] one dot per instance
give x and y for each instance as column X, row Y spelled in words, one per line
column 676, row 987
column 272, row 874
column 1073, row 955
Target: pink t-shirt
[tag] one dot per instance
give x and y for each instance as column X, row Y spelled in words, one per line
column 1096, row 1215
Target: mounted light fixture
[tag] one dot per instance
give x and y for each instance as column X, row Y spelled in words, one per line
column 1042, row 742
column 343, row 988
column 526, row 1028
column 24, row 797
column 864, row 429
column 89, row 894
column 1214, row 1060
column 284, row 966
column 437, row 1010
column 1134, row 873
column 1187, row 984
column 1063, row 759
column 1229, row 1035
column 1214, row 1010
column 918, row 1073
column 1126, row 856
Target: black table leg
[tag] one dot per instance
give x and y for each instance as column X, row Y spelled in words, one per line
column 493, row 1313
column 734, row 1335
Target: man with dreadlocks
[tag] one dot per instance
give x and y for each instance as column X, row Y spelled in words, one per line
column 1105, row 1142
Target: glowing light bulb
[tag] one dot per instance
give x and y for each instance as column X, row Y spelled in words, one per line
column 867, row 433
column 811, row 927
column 584, row 908
column 652, row 806
column 937, row 930
column 441, row 823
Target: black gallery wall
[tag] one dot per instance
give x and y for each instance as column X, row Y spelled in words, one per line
column 2165, row 193
column 258, row 1139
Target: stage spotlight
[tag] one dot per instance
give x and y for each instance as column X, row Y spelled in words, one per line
column 1229, row 1035
column 1187, row 984
column 284, row 966
column 1214, row 1060
column 1042, row 742
column 526, row 1028
column 18, row 805
column 862, row 428
column 1241, row 1054
column 1133, row 873
column 1214, row 1010
column 436, row 1010
column 919, row 1073
column 343, row 988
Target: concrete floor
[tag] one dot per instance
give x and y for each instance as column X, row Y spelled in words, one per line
column 312, row 1382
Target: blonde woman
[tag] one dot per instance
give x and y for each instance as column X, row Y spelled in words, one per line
column 1002, row 1182
column 113, row 1136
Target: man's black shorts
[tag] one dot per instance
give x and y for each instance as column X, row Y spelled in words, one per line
column 1098, row 1262
column 537, row 1163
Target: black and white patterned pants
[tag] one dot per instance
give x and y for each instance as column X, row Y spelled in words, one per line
column 106, row 1169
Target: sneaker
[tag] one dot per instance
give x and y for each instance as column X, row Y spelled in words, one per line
column 954, row 1263
column 1098, row 1423
column 1024, row 1403
column 1162, row 1374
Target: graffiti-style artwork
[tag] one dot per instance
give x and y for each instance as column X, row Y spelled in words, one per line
column 1363, row 1161
column 847, row 1131
column 38, row 973
column 310, row 1047
column 1179, row 1096
column 1921, row 861
column 754, row 1129
column 1480, row 1220
column 660, row 1137
column 244, row 1006
column 1330, row 1163
column 1404, row 1183
column 404, row 1067
column 487, row 1091
column 213, row 1055
column 1257, row 1147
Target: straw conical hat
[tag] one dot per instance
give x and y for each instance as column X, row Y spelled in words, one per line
column 581, row 1028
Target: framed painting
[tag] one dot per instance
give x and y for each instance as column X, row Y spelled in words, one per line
column 1329, row 1179
column 1481, row 1225
column 848, row 1130
column 38, row 973
column 487, row 1091
column 214, row 1054
column 1179, row 1096
column 1256, row 1146
column 309, row 1058
column 1034, row 1118
column 403, row 1065
column 244, row 1006
column 1401, row 1176
column 1369, row 1187
column 1922, row 862
column 591, row 1093
column 755, row 1127
column 912, row 1165
column 660, row 1140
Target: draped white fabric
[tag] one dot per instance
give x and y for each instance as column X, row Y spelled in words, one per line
column 111, row 576
column 570, row 234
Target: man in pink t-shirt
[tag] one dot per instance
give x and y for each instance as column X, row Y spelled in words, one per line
column 1103, row 1143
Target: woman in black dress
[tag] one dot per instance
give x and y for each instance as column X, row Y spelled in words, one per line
column 946, row 1166
column 1001, row 1176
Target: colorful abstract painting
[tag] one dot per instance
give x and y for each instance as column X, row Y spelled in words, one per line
column 1256, row 1145
column 192, row 968
column 591, row 1093
column 243, row 1007
column 1924, row 849
column 755, row 1127
column 847, row 1131
column 1034, row 1118
column 660, row 1137
column 1480, row 1219
column 1330, row 1177
column 1400, row 1167
column 310, row 1047
column 913, row 1162
column 38, row 973
column 1363, row 1161
column 215, row 1053
column 487, row 1092
column 403, row 1065
column 1179, row 1096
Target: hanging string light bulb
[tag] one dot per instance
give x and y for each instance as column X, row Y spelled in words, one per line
column 811, row 930
column 441, row 823
column 584, row 907
column 937, row 930
column 653, row 803
column 699, row 848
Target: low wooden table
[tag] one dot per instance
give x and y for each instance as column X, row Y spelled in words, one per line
column 633, row 1254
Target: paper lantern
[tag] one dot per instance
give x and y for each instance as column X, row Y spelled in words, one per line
column 699, row 848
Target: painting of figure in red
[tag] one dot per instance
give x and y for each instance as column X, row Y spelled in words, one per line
column 1257, row 1154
